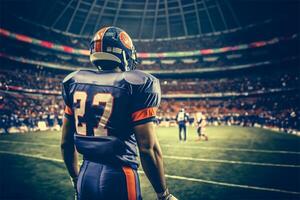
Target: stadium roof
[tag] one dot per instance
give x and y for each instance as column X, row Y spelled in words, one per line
column 143, row 19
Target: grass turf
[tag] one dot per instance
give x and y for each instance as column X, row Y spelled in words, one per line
column 24, row 177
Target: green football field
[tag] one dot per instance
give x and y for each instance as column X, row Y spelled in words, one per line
column 236, row 163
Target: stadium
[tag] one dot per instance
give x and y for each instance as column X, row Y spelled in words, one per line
column 236, row 62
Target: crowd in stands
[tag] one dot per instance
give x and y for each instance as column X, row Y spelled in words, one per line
column 279, row 110
column 237, row 84
column 46, row 80
column 23, row 112
column 29, row 78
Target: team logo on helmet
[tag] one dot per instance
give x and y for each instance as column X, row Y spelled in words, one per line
column 125, row 39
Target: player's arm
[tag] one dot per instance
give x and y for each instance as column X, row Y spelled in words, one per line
column 68, row 151
column 152, row 159
column 151, row 155
column 146, row 100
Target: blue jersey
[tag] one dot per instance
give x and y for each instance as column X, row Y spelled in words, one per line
column 105, row 106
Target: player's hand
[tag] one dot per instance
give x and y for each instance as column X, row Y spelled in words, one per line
column 169, row 197
column 74, row 184
column 165, row 196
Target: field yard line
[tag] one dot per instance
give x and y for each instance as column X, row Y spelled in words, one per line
column 232, row 149
column 182, row 158
column 231, row 184
column 230, row 161
column 169, row 176
column 30, row 143
column 175, row 146
column 32, row 156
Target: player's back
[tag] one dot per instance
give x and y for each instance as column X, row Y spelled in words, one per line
column 182, row 117
column 105, row 106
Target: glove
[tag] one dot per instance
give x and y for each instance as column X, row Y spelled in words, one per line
column 165, row 196
column 170, row 197
column 74, row 184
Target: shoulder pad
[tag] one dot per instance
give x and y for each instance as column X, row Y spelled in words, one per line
column 69, row 76
column 137, row 77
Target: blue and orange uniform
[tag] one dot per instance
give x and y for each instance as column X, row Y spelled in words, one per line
column 105, row 106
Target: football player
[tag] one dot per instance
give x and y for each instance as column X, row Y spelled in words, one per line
column 108, row 113
column 201, row 124
column 182, row 118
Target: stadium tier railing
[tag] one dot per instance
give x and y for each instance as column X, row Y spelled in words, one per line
column 19, row 89
column 154, row 72
column 143, row 55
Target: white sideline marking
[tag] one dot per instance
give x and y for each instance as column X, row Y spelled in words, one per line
column 177, row 146
column 231, row 184
column 38, row 156
column 30, row 143
column 233, row 149
column 181, row 157
column 230, row 161
column 169, row 176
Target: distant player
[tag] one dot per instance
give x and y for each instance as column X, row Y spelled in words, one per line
column 201, row 124
column 182, row 118
column 108, row 114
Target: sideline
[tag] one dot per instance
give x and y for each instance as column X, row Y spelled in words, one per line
column 230, row 161
column 29, row 143
column 232, row 149
column 177, row 146
column 181, row 157
column 168, row 176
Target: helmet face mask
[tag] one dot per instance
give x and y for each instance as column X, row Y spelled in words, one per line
column 112, row 47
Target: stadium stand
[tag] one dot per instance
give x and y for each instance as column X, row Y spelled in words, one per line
column 247, row 95
column 24, row 85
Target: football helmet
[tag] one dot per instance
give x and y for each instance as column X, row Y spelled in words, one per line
column 112, row 47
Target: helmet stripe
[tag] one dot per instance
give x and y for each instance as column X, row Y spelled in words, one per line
column 99, row 39
column 98, row 45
